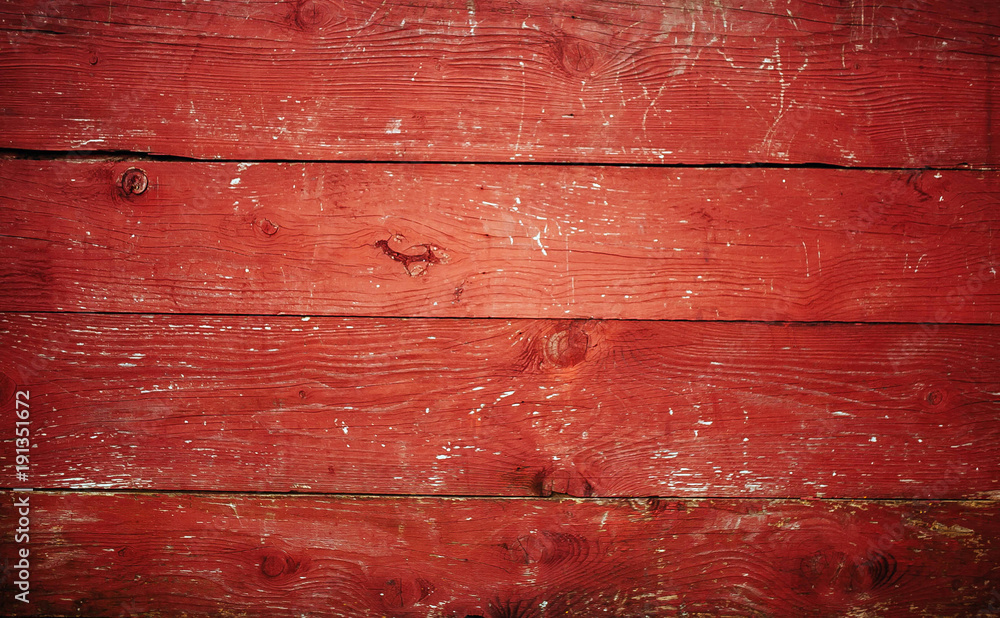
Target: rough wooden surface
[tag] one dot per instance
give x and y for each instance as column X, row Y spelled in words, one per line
column 904, row 84
column 781, row 333
column 500, row 241
column 285, row 556
column 494, row 407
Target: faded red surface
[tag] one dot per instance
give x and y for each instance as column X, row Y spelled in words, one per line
column 501, row 310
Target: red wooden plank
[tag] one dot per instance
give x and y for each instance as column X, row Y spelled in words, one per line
column 489, row 407
column 101, row 555
column 852, row 83
column 500, row 241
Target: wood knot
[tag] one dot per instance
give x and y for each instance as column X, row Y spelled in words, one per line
column 935, row 397
column 567, row 347
column 880, row 570
column 275, row 563
column 398, row 592
column 133, row 182
column 575, row 56
column 266, row 227
column 314, row 15
column 546, row 547
column 416, row 258
column 831, row 573
column 548, row 482
column 658, row 505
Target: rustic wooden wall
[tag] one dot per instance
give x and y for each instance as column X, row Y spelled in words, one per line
column 499, row 309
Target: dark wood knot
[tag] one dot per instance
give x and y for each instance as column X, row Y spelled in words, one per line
column 935, row 397
column 133, row 182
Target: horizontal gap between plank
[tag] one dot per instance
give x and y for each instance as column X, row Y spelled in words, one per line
column 554, row 497
column 7, row 313
column 128, row 155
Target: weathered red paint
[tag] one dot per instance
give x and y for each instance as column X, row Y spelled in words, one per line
column 378, row 556
column 710, row 393
column 494, row 407
column 906, row 84
column 501, row 241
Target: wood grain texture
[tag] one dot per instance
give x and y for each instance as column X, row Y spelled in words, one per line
column 500, row 241
column 905, row 84
column 110, row 555
column 491, row 407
